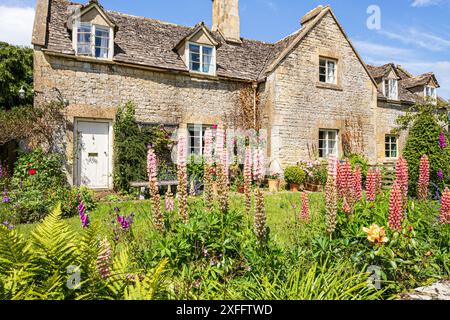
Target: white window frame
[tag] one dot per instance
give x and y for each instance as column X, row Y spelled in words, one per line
column 327, row 75
column 212, row 69
column 433, row 92
column 387, row 90
column 92, row 44
column 326, row 141
column 198, row 129
column 388, row 152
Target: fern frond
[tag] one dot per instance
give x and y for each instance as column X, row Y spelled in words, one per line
column 14, row 251
column 145, row 289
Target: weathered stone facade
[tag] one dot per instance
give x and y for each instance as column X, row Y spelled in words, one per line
column 299, row 105
column 150, row 66
column 95, row 91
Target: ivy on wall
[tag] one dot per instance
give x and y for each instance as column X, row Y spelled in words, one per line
column 130, row 148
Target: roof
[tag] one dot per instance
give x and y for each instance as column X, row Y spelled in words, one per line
column 150, row 42
column 407, row 81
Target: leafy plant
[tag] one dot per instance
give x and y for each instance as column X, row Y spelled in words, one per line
column 294, row 175
column 423, row 139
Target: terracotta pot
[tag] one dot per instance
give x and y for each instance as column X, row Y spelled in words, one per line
column 274, row 185
column 295, row 187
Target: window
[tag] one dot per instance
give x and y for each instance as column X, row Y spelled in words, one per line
column 430, row 92
column 391, row 146
column 101, row 42
column 93, row 41
column 391, row 89
column 196, row 139
column 328, row 143
column 327, row 71
column 201, row 58
column 84, row 39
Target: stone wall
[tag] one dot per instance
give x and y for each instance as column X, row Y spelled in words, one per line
column 301, row 105
column 386, row 118
column 96, row 90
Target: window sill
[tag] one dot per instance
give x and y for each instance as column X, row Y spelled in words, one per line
column 202, row 75
column 330, row 86
column 90, row 58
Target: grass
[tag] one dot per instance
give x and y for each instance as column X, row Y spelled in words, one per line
column 282, row 211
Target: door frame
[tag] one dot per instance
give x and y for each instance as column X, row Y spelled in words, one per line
column 77, row 164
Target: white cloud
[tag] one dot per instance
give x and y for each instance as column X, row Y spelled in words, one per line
column 382, row 51
column 413, row 36
column 16, row 25
column 424, row 3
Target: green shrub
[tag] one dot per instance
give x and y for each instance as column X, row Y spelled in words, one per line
column 357, row 160
column 71, row 201
column 37, row 185
column 294, row 175
column 423, row 139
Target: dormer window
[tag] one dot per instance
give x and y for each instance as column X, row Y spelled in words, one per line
column 201, row 58
column 430, row 92
column 391, row 89
column 93, row 41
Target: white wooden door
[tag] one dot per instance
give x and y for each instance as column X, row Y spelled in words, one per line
column 93, row 154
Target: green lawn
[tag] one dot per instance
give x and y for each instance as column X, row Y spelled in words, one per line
column 281, row 209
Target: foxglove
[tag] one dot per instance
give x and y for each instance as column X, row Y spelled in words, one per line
column 248, row 179
column 158, row 216
column 424, row 178
column 331, row 195
column 104, row 259
column 169, row 201
column 402, row 178
column 260, row 217
column 305, row 208
column 442, row 141
column 82, row 213
column 396, row 207
column 445, row 207
column 371, row 185
column 182, row 179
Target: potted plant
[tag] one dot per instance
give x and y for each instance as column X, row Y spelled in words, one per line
column 274, row 182
column 295, row 177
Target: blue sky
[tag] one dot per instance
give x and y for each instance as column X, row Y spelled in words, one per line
column 413, row 33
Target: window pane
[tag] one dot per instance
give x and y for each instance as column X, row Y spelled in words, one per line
column 194, row 48
column 322, row 63
column 101, row 53
column 195, row 66
column 207, row 63
column 84, row 28
column 101, row 32
column 101, row 42
column 207, row 51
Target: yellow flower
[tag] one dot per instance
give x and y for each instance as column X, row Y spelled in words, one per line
column 376, row 234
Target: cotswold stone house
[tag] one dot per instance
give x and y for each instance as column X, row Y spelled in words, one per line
column 316, row 96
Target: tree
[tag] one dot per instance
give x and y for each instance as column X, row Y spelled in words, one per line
column 426, row 122
column 16, row 72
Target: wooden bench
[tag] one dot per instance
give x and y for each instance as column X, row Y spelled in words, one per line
column 143, row 185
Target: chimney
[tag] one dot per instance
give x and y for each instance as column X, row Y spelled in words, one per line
column 226, row 19
column 310, row 15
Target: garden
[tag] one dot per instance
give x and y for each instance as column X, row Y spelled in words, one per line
column 332, row 230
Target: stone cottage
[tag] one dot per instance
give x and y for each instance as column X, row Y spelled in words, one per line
column 316, row 96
